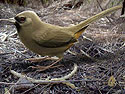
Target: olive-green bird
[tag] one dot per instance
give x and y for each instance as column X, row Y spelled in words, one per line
column 47, row 39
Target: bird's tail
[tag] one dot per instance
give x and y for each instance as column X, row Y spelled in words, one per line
column 78, row 33
column 78, row 29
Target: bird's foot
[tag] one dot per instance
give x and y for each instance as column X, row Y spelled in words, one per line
column 41, row 59
column 43, row 68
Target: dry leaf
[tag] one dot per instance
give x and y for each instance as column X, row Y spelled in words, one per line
column 112, row 81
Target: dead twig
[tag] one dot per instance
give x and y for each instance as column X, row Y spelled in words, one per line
column 83, row 80
column 47, row 81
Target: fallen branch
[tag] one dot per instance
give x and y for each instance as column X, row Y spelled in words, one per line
column 83, row 80
column 53, row 80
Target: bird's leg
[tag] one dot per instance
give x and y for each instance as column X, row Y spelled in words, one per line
column 43, row 68
column 41, row 59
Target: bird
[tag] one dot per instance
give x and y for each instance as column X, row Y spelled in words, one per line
column 47, row 39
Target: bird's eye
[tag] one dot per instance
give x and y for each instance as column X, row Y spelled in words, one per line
column 22, row 19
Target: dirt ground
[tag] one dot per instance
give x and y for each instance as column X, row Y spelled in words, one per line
column 106, row 50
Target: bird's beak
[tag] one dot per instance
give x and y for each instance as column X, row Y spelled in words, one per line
column 10, row 20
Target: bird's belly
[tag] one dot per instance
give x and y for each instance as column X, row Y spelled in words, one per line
column 43, row 51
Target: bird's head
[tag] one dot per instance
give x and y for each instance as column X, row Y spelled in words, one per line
column 25, row 19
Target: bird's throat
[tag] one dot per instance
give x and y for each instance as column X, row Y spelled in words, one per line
column 17, row 26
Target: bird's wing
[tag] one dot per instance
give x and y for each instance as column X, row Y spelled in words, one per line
column 53, row 39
